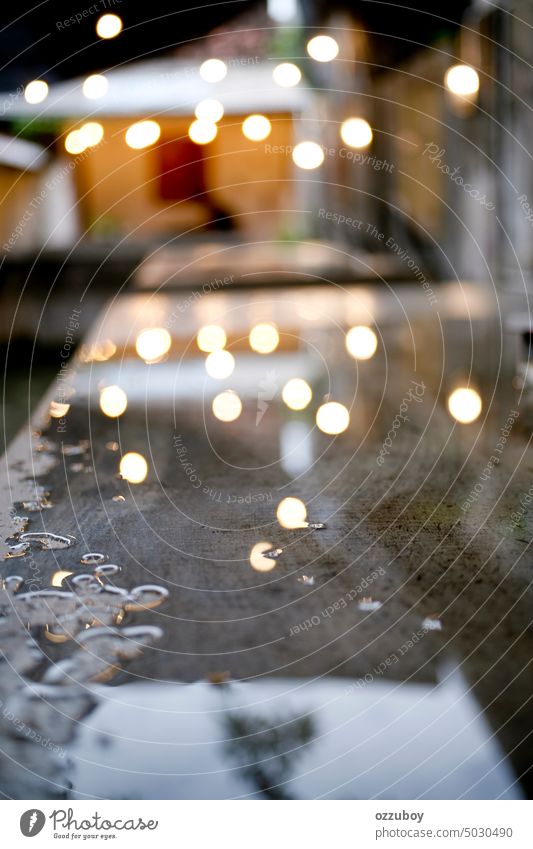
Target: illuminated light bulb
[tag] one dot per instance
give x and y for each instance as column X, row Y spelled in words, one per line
column 464, row 405
column 59, row 576
column 113, row 401
column 210, row 111
column 308, row 155
column 286, row 75
column 213, row 70
column 356, row 132
column 256, row 127
column 332, row 418
column 153, row 343
column 91, row 133
column 361, row 342
column 74, row 142
column 462, row 80
column 142, row 134
column 211, row 338
column 292, row 513
column 322, row 48
column 58, row 410
column 202, row 132
column 297, row 393
column 108, row 26
column 258, row 561
column 220, row 364
column 95, row 86
column 133, row 467
column 36, row 91
column 264, row 338
column 227, row 406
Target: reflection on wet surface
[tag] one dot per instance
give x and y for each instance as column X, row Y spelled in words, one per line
column 327, row 547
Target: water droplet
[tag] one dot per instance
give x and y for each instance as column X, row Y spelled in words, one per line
column 45, row 446
column 18, row 550
column 273, row 553
column 107, row 570
column 93, row 558
column 20, row 522
column 432, row 623
column 74, row 450
column 368, row 605
column 146, row 596
column 47, row 540
column 316, row 526
column 306, row 579
column 112, row 446
column 118, row 498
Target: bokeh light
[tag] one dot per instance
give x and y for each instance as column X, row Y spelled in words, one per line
column 202, row 132
column 227, row 406
column 211, row 337
column 213, row 70
column 74, row 142
column 209, row 110
column 36, row 91
column 297, row 394
column 361, row 342
column 292, row 513
column 133, row 467
column 462, row 80
column 58, row 409
column 308, row 155
column 286, row 75
column 91, row 133
column 356, row 132
column 95, row 86
column 322, row 48
column 257, row 559
column 153, row 343
column 142, row 134
column 256, row 127
column 220, row 364
column 108, row 26
column 332, row 418
column 264, row 338
column 113, row 401
column 464, row 405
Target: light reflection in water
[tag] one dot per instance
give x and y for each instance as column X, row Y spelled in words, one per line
column 133, row 467
column 153, row 343
column 113, row 401
column 264, row 338
column 220, row 364
column 361, row 342
column 332, row 418
column 465, row 405
column 227, row 406
column 211, row 338
column 257, row 559
column 292, row 513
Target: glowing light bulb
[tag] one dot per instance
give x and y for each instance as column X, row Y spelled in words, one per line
column 257, row 559
column 264, row 338
column 202, row 132
column 356, row 132
column 95, row 86
column 74, row 142
column 153, row 343
column 91, row 133
column 462, row 80
column 286, row 75
column 227, row 406
column 332, row 418
column 361, row 342
column 133, row 467
column 209, row 110
column 308, row 155
column 58, row 410
column 220, row 364
column 464, row 405
column 113, row 401
column 213, row 70
column 322, row 48
column 292, row 513
column 36, row 91
column 108, row 26
column 256, row 127
column 142, row 134
column 211, row 338
column 297, row 393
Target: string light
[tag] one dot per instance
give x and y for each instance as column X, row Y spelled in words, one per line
column 286, row 75
column 213, row 70
column 36, row 91
column 256, row 127
column 462, row 80
column 142, row 134
column 108, row 26
column 202, row 132
column 356, row 132
column 95, row 86
column 308, row 155
column 322, row 48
